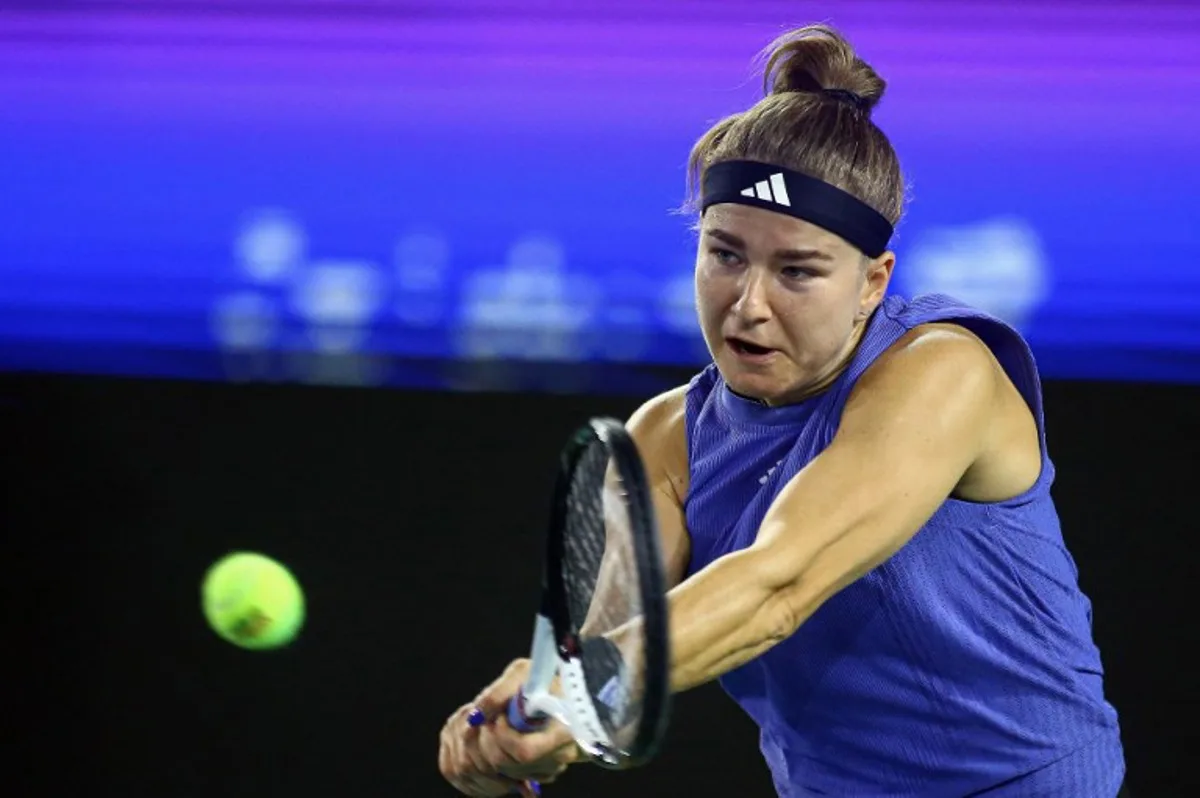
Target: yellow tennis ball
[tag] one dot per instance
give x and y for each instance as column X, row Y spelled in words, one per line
column 252, row 601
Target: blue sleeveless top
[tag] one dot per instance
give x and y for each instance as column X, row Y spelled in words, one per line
column 962, row 665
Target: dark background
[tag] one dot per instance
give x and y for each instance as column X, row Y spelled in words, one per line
column 414, row 522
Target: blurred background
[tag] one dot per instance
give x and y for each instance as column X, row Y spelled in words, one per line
column 333, row 279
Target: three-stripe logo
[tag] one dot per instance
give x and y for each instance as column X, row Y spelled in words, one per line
column 773, row 189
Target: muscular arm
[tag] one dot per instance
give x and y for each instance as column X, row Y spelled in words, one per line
column 914, row 426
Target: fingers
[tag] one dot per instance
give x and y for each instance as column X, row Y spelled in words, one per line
column 532, row 746
column 462, row 765
column 482, row 756
column 475, row 765
column 530, row 789
column 537, row 755
column 493, row 701
column 494, row 754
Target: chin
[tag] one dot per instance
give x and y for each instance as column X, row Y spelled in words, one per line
column 765, row 385
column 762, row 387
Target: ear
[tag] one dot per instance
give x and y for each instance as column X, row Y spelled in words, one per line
column 877, row 274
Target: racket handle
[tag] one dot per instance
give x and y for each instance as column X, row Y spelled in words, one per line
column 519, row 720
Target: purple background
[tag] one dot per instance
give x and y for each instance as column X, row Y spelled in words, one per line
column 410, row 148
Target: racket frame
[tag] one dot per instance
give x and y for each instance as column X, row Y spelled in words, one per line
column 555, row 651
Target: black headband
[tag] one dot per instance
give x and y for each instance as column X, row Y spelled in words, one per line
column 777, row 189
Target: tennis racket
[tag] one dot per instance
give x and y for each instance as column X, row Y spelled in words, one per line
column 601, row 629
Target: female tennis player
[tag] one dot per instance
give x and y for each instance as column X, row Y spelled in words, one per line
column 854, row 497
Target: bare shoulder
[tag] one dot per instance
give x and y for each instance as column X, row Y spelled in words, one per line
column 662, row 415
column 659, row 429
column 946, row 368
column 930, row 365
column 955, row 350
column 941, row 342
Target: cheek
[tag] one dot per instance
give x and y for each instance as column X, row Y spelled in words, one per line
column 841, row 300
column 710, row 296
column 820, row 319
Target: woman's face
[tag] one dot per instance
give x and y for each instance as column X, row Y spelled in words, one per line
column 781, row 301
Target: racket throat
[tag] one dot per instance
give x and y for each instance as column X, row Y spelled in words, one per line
column 569, row 702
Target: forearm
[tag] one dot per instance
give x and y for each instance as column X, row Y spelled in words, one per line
column 611, row 605
column 723, row 617
column 614, row 599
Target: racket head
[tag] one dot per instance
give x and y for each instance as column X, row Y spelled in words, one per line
column 602, row 517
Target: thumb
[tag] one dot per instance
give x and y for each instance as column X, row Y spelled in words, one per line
column 493, row 701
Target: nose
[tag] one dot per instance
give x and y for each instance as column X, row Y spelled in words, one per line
column 752, row 306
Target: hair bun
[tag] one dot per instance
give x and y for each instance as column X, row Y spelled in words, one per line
column 819, row 60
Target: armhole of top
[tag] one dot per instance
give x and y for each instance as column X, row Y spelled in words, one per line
column 1015, row 357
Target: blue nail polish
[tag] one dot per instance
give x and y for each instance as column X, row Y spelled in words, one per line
column 537, row 788
column 476, row 718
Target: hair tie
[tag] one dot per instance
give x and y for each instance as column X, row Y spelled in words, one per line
column 846, row 96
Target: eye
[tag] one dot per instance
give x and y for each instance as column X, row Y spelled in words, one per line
column 797, row 272
column 725, row 257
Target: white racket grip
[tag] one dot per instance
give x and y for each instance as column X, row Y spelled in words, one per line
column 533, row 703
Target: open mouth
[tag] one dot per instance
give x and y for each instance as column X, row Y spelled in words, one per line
column 746, row 348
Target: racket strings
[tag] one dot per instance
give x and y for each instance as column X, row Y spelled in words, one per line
column 600, row 567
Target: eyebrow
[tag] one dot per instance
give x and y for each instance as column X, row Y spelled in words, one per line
column 780, row 254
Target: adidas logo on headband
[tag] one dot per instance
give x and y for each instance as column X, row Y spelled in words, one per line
column 773, row 189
